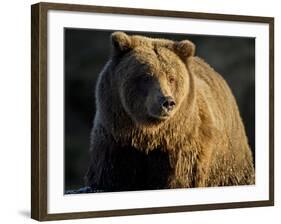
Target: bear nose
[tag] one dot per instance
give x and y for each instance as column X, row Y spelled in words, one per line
column 168, row 103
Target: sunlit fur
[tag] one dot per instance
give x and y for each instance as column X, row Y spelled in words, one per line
column 204, row 136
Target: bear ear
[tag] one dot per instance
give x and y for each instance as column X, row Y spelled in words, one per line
column 121, row 42
column 184, row 49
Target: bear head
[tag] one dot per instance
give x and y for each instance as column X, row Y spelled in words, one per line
column 151, row 75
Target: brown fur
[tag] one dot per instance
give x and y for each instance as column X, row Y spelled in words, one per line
column 203, row 138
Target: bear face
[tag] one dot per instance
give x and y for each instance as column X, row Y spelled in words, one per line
column 152, row 77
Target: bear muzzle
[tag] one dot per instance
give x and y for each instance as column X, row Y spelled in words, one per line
column 161, row 107
column 167, row 103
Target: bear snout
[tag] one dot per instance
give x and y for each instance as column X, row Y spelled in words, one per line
column 167, row 103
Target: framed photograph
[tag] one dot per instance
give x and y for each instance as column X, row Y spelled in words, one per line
column 139, row 111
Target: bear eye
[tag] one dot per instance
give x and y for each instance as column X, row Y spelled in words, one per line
column 171, row 80
column 145, row 78
column 143, row 81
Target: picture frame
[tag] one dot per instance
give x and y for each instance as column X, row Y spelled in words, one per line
column 43, row 160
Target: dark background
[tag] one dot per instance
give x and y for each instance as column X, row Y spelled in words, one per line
column 86, row 52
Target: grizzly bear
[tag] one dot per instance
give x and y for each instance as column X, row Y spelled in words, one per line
column 164, row 119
